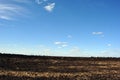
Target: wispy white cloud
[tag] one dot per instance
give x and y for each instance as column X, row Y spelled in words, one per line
column 64, row 45
column 49, row 7
column 97, row 33
column 61, row 44
column 39, row 1
column 5, row 17
column 9, row 11
column 101, row 34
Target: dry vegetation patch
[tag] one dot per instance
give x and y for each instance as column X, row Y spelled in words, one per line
column 57, row 68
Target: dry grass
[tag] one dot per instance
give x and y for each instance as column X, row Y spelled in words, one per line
column 56, row 68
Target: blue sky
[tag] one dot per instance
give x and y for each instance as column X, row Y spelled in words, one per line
column 60, row 27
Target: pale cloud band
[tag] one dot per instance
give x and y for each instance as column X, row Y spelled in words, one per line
column 97, row 33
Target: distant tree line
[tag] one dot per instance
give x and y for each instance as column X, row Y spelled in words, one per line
column 57, row 57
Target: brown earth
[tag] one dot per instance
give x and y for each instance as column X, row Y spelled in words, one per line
column 21, row 67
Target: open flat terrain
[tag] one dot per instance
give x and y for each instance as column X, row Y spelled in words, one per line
column 21, row 67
